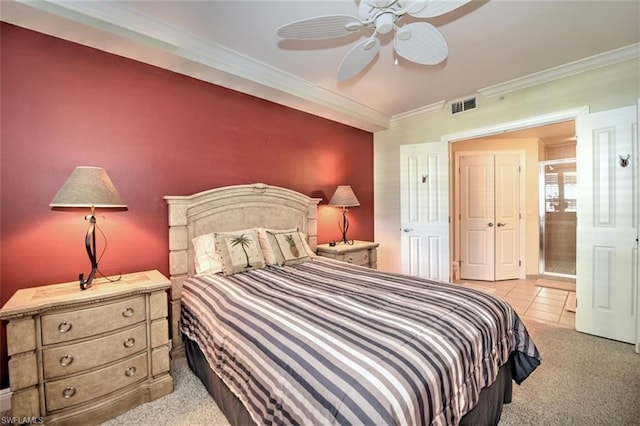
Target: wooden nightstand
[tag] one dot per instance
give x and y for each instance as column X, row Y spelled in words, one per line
column 363, row 253
column 80, row 357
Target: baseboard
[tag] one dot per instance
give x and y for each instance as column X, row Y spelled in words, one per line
column 5, row 400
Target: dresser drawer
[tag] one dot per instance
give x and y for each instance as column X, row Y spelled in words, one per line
column 66, row 326
column 76, row 357
column 357, row 257
column 84, row 387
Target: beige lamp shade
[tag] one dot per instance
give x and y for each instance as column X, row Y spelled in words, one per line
column 88, row 187
column 344, row 197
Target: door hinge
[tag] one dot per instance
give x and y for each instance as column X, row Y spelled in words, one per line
column 519, row 262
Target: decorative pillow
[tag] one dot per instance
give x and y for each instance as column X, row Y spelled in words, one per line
column 206, row 259
column 290, row 247
column 239, row 251
column 269, row 245
column 270, row 249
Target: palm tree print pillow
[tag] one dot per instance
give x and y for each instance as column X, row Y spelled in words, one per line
column 239, row 252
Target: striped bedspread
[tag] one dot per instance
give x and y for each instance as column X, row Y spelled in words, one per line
column 326, row 342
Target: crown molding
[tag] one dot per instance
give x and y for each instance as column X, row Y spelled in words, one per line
column 113, row 27
column 422, row 112
column 117, row 29
column 572, row 68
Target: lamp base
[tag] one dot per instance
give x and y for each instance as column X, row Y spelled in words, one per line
column 85, row 284
column 343, row 225
column 90, row 245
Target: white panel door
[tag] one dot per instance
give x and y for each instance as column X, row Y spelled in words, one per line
column 607, row 245
column 489, row 191
column 507, row 216
column 477, row 217
column 424, row 198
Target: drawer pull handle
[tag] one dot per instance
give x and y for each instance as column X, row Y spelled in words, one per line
column 127, row 312
column 68, row 392
column 129, row 342
column 365, row 257
column 349, row 260
column 130, row 371
column 66, row 360
column 64, row 327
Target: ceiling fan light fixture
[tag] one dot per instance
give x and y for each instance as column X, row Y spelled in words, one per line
column 418, row 42
column 385, row 22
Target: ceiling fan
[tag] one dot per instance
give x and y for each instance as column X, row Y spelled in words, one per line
column 418, row 42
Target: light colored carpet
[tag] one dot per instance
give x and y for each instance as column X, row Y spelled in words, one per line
column 583, row 380
column 560, row 285
column 189, row 404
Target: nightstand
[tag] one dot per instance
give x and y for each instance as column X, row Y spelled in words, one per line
column 363, row 253
column 79, row 357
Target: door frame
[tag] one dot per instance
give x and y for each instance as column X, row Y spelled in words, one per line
column 535, row 121
column 455, row 178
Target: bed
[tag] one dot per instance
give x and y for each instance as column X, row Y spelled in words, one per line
column 308, row 340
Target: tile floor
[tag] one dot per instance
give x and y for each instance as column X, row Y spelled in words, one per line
column 532, row 301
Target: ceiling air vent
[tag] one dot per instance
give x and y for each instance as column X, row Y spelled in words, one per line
column 463, row 105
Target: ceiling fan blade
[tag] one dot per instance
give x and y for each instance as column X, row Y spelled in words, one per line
column 431, row 9
column 358, row 58
column 422, row 43
column 320, row 27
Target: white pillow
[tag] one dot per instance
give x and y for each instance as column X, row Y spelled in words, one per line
column 205, row 257
column 305, row 244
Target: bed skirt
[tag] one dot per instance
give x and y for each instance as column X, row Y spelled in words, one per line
column 487, row 412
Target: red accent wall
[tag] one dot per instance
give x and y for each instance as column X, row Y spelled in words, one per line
column 156, row 133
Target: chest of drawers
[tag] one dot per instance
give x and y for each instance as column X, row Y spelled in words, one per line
column 81, row 357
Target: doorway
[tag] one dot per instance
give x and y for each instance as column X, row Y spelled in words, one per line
column 542, row 141
column 558, row 218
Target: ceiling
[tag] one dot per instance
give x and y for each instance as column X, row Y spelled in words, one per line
column 494, row 47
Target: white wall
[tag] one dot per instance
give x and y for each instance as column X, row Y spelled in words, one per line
column 602, row 89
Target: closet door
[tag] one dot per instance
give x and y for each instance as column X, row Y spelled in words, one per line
column 489, row 188
column 507, row 215
column 477, row 218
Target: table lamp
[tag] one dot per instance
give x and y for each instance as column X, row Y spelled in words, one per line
column 89, row 187
column 344, row 197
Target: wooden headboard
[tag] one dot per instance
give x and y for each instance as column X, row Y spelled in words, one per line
column 229, row 208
